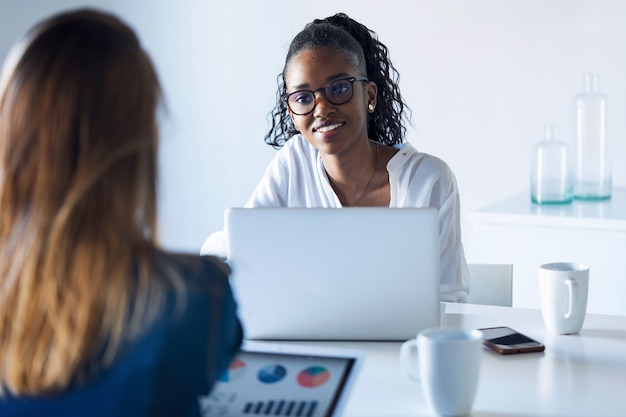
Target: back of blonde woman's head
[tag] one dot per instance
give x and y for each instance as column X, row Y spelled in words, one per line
column 78, row 152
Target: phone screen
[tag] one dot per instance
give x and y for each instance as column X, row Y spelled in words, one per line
column 506, row 340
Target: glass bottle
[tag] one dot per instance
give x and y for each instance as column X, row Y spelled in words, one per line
column 592, row 172
column 551, row 179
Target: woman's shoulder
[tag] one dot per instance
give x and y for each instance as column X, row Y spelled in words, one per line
column 408, row 157
column 295, row 157
column 200, row 284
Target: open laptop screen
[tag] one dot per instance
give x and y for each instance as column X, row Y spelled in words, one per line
column 361, row 273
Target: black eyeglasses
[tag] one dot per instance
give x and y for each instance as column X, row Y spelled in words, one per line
column 337, row 92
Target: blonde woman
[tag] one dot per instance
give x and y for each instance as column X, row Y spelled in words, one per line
column 95, row 319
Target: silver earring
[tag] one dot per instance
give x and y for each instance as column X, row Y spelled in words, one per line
column 370, row 106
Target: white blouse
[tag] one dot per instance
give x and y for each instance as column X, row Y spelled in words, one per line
column 296, row 178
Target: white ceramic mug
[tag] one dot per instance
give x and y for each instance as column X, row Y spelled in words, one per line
column 447, row 366
column 563, row 288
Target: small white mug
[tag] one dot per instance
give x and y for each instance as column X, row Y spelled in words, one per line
column 563, row 289
column 448, row 365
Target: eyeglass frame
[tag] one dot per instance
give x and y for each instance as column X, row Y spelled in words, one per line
column 351, row 80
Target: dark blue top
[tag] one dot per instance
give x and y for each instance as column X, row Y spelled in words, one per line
column 164, row 371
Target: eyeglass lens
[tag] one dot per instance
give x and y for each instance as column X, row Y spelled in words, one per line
column 336, row 92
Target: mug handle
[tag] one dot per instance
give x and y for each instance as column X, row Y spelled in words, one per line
column 406, row 353
column 573, row 293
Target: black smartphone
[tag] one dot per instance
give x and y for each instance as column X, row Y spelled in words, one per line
column 507, row 341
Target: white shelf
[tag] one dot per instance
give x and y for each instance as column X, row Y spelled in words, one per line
column 601, row 215
column 525, row 234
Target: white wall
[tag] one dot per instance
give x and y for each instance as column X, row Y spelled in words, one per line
column 482, row 78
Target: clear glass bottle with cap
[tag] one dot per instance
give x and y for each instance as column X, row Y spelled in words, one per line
column 592, row 172
column 551, row 179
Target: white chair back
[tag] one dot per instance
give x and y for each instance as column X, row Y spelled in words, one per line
column 491, row 284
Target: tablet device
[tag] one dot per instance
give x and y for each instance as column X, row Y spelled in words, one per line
column 284, row 380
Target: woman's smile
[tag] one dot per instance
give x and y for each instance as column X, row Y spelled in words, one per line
column 328, row 128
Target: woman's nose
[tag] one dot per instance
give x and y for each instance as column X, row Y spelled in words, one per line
column 322, row 106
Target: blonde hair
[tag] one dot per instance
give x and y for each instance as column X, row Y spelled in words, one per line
column 78, row 152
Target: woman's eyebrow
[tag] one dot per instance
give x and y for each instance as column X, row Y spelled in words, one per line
column 328, row 79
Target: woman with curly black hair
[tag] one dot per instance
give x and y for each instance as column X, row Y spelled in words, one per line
column 339, row 124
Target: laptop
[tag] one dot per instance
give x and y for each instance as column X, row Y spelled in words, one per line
column 284, row 380
column 360, row 273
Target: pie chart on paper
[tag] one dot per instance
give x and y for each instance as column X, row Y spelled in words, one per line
column 236, row 369
column 272, row 373
column 313, row 377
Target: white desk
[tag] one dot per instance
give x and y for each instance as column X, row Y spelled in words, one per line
column 577, row 375
column 516, row 231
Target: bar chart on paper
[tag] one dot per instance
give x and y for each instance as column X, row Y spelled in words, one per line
column 281, row 408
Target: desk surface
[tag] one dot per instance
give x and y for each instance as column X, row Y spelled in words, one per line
column 577, row 375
